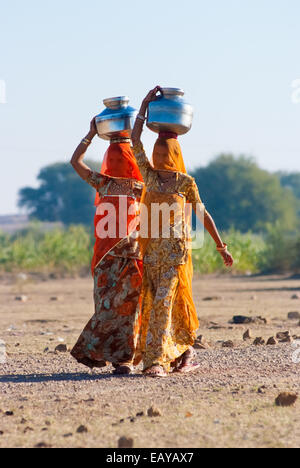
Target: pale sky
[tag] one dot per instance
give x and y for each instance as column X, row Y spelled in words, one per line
column 236, row 61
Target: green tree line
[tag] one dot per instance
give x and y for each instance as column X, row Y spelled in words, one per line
column 236, row 191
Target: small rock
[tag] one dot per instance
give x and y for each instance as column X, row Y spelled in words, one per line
column 262, row 390
column 271, row 341
column 259, row 341
column 140, row 414
column 81, row 430
column 288, row 339
column 28, row 429
column 212, row 298
column 42, row 445
column 125, row 442
column 293, row 315
column 9, row 413
column 228, row 344
column 68, row 435
column 247, row 335
column 61, row 348
column 46, row 350
column 242, row 319
column 17, row 345
column 1, row 433
column 21, row 298
column 283, row 335
column 153, row 412
column 201, row 343
column 54, row 298
column 295, row 296
column 286, row 399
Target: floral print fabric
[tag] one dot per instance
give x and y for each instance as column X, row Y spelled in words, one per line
column 112, row 333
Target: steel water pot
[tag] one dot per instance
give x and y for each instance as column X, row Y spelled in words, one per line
column 117, row 119
column 170, row 112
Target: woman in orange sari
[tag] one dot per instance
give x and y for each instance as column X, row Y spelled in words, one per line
column 169, row 316
column 111, row 334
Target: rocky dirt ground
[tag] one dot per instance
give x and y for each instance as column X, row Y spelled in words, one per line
column 48, row 400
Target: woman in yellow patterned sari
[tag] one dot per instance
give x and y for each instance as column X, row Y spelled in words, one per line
column 169, row 316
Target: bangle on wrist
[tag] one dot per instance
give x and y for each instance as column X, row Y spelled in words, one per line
column 141, row 117
column 86, row 141
column 222, row 249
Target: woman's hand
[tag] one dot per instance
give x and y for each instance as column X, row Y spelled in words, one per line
column 227, row 257
column 152, row 95
column 93, row 129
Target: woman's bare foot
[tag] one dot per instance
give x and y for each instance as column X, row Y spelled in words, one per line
column 155, row 371
column 187, row 364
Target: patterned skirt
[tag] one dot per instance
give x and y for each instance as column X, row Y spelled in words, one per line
column 112, row 333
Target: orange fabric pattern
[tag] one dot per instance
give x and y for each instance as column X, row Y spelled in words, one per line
column 169, row 316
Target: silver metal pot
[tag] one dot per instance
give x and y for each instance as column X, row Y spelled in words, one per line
column 117, row 120
column 170, row 112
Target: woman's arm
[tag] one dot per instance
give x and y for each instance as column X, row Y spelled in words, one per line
column 137, row 146
column 77, row 159
column 209, row 224
column 139, row 121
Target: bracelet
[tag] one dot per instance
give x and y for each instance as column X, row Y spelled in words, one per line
column 141, row 117
column 222, row 249
column 86, row 141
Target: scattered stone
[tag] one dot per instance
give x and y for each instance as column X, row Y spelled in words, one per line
column 140, row 414
column 28, row 429
column 42, row 445
column 286, row 399
column 17, row 345
column 125, row 442
column 293, row 315
column 46, row 350
column 271, row 341
column 68, row 435
column 262, row 390
column 154, row 412
column 295, row 296
column 21, row 298
column 201, row 343
column 81, row 430
column 54, row 298
column 1, row 433
column 9, row 413
column 288, row 339
column 61, row 348
column 283, row 335
column 23, row 421
column 228, row 344
column 247, row 335
column 259, row 341
column 242, row 319
column 212, row 298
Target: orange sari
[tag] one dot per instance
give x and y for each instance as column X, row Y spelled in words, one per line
column 112, row 333
column 182, row 313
